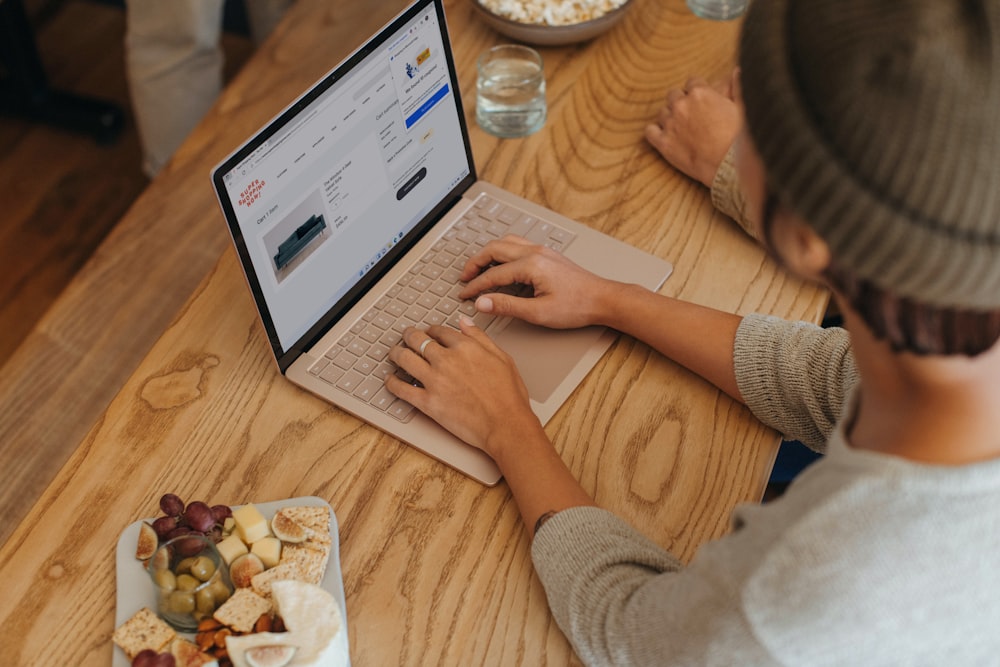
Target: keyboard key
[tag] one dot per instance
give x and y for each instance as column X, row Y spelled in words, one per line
column 378, row 351
column 372, row 333
column 395, row 309
column 383, row 370
column 509, row 215
column 400, row 409
column 365, row 365
column 434, row 318
column 427, row 300
column 408, row 296
column 523, row 225
column 331, row 374
column 390, row 338
column 433, row 271
column 357, row 347
column 350, row 381
column 497, row 229
column 316, row 368
column 383, row 322
column 383, row 399
column 540, row 232
column 416, row 313
column 345, row 360
column 447, row 306
column 368, row 388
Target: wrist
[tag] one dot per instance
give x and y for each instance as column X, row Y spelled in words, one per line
column 516, row 439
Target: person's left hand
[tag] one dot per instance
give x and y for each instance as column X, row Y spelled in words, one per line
column 696, row 126
column 470, row 386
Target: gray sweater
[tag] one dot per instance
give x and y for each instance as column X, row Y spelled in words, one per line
column 867, row 559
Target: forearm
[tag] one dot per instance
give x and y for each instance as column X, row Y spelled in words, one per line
column 538, row 478
column 697, row 337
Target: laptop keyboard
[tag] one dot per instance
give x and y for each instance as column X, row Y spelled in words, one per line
column 428, row 294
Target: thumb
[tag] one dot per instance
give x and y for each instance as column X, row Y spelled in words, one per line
column 504, row 305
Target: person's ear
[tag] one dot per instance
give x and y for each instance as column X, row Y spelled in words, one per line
column 801, row 248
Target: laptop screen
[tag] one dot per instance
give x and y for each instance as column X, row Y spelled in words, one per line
column 326, row 197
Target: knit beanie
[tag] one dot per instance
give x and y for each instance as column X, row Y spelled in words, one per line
column 878, row 122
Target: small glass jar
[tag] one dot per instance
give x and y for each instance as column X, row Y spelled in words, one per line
column 190, row 579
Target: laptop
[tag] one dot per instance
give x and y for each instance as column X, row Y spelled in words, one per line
column 353, row 212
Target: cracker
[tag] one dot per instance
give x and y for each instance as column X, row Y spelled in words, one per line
column 242, row 610
column 314, row 518
column 261, row 582
column 310, row 559
column 144, row 630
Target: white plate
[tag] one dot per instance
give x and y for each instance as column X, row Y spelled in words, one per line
column 135, row 591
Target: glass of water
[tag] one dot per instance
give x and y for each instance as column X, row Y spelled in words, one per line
column 510, row 91
column 718, row 10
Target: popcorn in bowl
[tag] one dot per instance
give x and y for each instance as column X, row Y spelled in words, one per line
column 551, row 12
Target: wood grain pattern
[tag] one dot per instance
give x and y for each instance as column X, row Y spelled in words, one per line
column 436, row 567
column 78, row 311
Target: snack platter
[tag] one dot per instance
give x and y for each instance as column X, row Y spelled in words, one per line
column 134, row 590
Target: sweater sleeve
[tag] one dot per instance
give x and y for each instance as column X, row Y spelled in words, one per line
column 727, row 196
column 622, row 600
column 795, row 377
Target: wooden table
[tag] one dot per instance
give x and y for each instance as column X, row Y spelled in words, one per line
column 436, row 567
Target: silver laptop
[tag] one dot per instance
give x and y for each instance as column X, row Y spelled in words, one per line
column 353, row 213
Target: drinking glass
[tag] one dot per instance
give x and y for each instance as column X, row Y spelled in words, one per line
column 510, row 91
column 718, row 10
column 190, row 579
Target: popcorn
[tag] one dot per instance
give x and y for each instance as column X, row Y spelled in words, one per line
column 551, row 12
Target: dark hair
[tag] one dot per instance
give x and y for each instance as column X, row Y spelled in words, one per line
column 906, row 324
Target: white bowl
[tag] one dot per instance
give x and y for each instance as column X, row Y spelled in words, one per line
column 551, row 35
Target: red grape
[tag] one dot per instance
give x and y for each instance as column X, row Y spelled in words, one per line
column 171, row 504
column 221, row 512
column 144, row 658
column 199, row 516
column 189, row 547
column 164, row 660
column 164, row 525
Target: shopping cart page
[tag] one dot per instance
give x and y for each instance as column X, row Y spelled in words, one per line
column 328, row 195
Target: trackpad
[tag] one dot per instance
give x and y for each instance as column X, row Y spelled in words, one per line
column 545, row 356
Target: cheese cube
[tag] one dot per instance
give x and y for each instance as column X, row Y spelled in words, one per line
column 268, row 549
column 231, row 548
column 250, row 524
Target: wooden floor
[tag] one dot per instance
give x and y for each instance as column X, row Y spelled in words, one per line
column 61, row 193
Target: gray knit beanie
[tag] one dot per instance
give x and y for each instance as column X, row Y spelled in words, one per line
column 879, row 123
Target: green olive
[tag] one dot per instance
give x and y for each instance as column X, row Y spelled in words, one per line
column 184, row 566
column 185, row 582
column 205, row 600
column 181, row 602
column 166, row 580
column 220, row 592
column 202, row 568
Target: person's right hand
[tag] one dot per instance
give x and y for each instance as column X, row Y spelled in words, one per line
column 565, row 295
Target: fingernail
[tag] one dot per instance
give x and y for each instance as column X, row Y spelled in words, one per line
column 484, row 304
column 466, row 320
